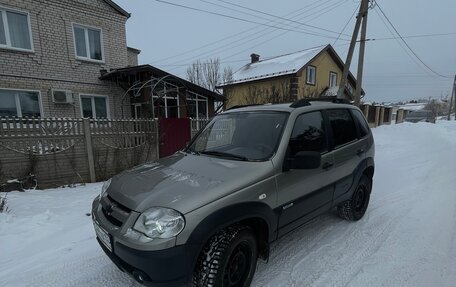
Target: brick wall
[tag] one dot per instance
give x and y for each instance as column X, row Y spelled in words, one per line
column 53, row 63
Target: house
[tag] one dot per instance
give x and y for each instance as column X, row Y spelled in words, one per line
column 71, row 59
column 309, row 73
column 51, row 54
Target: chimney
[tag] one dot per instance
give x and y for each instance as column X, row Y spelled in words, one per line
column 254, row 58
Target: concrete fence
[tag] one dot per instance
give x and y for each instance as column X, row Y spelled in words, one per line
column 378, row 115
column 59, row 151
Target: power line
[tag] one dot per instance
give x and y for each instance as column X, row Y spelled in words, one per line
column 250, row 14
column 282, row 18
column 242, row 32
column 413, row 36
column 249, row 39
column 284, row 32
column 408, row 46
column 346, row 24
column 242, row 19
column 400, row 43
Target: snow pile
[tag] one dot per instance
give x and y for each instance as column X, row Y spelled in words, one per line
column 407, row 238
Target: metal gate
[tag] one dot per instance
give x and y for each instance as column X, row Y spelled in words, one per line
column 174, row 134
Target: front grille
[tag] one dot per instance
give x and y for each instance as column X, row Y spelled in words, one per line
column 111, row 218
column 114, row 212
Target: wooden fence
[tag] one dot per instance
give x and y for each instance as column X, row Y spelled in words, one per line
column 59, row 151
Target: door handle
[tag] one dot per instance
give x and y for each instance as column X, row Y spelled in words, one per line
column 359, row 152
column 327, row 165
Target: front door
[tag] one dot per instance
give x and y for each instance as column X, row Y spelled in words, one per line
column 304, row 193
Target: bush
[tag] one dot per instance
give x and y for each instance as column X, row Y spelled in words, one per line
column 3, row 206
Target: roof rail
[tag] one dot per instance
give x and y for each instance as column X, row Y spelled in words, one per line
column 307, row 101
column 242, row 106
column 300, row 103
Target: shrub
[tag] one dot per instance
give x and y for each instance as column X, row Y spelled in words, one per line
column 3, row 206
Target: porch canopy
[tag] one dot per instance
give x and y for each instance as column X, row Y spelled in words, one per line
column 152, row 92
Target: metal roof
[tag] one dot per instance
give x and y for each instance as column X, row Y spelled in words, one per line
column 156, row 72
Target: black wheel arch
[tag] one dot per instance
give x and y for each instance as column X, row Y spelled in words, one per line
column 257, row 215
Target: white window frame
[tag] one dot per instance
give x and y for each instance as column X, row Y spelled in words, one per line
column 309, row 81
column 165, row 98
column 18, row 102
column 86, row 34
column 197, row 98
column 92, row 97
column 8, row 46
column 331, row 75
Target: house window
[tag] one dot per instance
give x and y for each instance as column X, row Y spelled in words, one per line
column 311, row 75
column 197, row 107
column 332, row 79
column 15, row 32
column 88, row 43
column 18, row 103
column 94, row 107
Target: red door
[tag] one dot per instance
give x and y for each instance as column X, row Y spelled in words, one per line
column 174, row 134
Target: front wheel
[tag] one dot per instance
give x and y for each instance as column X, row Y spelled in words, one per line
column 228, row 259
column 355, row 208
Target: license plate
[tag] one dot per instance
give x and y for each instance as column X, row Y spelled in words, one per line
column 103, row 236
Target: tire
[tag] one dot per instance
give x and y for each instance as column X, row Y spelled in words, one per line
column 228, row 259
column 355, row 208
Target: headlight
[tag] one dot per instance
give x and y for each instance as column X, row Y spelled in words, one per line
column 105, row 187
column 158, row 222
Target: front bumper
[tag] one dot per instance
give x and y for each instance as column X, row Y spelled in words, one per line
column 169, row 267
column 163, row 266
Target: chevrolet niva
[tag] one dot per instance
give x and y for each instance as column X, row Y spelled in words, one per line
column 203, row 216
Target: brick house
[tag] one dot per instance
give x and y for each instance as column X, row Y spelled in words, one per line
column 51, row 54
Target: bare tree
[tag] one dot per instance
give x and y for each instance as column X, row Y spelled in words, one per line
column 208, row 74
column 227, row 74
column 195, row 73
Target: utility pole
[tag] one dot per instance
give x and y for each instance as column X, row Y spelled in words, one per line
column 453, row 94
column 362, row 16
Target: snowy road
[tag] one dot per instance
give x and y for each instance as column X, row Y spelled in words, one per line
column 407, row 238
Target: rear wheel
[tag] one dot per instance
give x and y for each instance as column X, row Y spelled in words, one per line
column 355, row 208
column 228, row 259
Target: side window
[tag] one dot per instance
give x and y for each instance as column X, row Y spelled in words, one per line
column 342, row 126
column 363, row 127
column 308, row 134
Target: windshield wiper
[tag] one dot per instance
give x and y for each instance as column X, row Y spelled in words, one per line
column 225, row 154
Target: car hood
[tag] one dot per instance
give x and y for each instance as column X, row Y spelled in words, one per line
column 184, row 182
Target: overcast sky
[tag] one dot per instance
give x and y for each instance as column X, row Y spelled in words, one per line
column 172, row 38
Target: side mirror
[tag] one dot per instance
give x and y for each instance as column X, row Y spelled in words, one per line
column 306, row 160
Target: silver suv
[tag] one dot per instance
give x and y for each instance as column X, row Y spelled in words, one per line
column 203, row 216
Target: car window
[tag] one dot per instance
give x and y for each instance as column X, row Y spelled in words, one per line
column 363, row 127
column 342, row 126
column 308, row 134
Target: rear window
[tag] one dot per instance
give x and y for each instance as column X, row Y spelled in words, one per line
column 342, row 126
column 361, row 120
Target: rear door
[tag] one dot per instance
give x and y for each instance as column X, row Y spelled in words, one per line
column 302, row 193
column 348, row 151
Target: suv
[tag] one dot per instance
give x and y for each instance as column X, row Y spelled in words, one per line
column 203, row 216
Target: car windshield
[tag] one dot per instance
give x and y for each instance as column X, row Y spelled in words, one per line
column 252, row 136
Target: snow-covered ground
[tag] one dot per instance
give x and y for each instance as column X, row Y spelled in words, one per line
column 407, row 238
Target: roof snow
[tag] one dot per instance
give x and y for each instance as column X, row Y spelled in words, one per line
column 276, row 66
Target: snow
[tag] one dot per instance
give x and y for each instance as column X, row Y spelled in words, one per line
column 273, row 67
column 407, row 238
column 413, row 106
